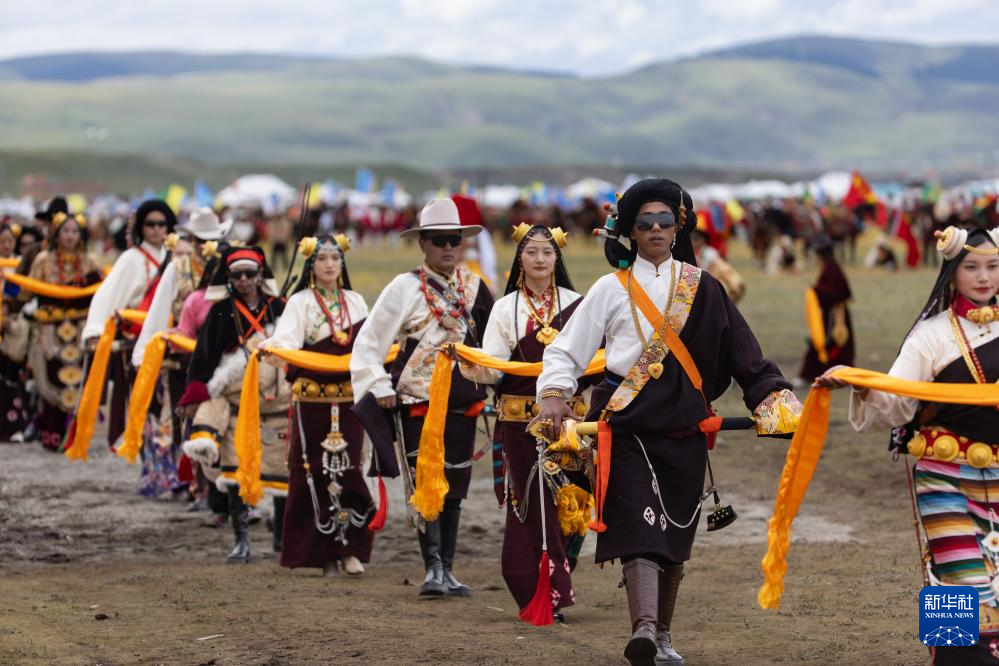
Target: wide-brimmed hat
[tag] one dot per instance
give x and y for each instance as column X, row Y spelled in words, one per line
column 441, row 214
column 56, row 205
column 205, row 225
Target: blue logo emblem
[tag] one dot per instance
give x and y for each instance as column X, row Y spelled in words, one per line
column 948, row 615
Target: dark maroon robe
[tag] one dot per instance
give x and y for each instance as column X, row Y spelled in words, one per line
column 665, row 418
column 832, row 289
column 522, row 541
column 302, row 545
column 977, row 423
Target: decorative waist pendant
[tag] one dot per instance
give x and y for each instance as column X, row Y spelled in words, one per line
column 546, row 335
column 652, row 358
column 335, row 458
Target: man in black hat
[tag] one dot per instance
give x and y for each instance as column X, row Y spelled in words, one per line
column 674, row 342
column 43, row 218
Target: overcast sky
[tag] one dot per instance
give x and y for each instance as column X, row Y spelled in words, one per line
column 589, row 37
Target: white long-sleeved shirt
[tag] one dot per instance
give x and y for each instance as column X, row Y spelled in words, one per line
column 124, row 287
column 605, row 313
column 400, row 312
column 303, row 321
column 177, row 273
column 500, row 337
column 930, row 348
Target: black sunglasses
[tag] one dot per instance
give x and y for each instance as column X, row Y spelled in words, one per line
column 443, row 240
column 249, row 275
column 646, row 221
column 155, row 223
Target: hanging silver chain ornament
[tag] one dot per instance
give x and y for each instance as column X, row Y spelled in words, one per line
column 335, row 463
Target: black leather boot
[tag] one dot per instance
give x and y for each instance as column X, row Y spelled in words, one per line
column 449, row 519
column 669, row 584
column 641, row 582
column 430, row 547
column 278, row 522
column 239, row 512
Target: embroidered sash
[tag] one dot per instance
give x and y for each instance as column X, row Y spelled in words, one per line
column 638, row 376
column 414, row 381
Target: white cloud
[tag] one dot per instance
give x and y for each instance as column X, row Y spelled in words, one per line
column 574, row 35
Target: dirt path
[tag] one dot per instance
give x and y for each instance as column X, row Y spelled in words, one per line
column 77, row 545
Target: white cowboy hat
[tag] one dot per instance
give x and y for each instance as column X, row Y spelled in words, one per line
column 204, row 224
column 441, row 214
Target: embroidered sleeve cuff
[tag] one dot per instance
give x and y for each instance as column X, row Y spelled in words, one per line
column 195, row 393
column 778, row 414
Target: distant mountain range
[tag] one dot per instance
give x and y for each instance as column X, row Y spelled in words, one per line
column 800, row 103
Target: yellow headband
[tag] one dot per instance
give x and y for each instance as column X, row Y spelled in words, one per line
column 521, row 230
column 979, row 250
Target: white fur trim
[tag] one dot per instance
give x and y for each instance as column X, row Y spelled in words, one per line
column 215, row 293
column 223, row 484
column 202, row 450
column 230, row 370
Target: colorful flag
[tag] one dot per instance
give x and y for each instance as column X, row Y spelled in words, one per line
column 203, row 195
column 364, row 180
column 388, row 193
column 901, row 228
column 77, row 203
column 735, row 211
column 175, row 197
column 315, row 194
column 860, row 192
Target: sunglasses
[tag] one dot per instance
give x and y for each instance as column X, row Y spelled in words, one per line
column 646, row 221
column 238, row 275
column 454, row 240
column 155, row 223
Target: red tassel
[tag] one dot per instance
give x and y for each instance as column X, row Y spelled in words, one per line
column 185, row 473
column 604, row 442
column 67, row 442
column 378, row 522
column 539, row 611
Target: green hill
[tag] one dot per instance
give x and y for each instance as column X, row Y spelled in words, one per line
column 807, row 102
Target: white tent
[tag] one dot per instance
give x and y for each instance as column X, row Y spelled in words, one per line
column 589, row 188
column 264, row 191
column 23, row 207
column 499, row 196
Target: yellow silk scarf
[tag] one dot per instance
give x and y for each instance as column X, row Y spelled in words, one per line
column 143, row 388
column 816, row 325
column 82, row 428
column 431, row 486
column 249, row 446
column 50, row 290
column 137, row 317
column 247, row 436
column 319, row 362
column 806, row 447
